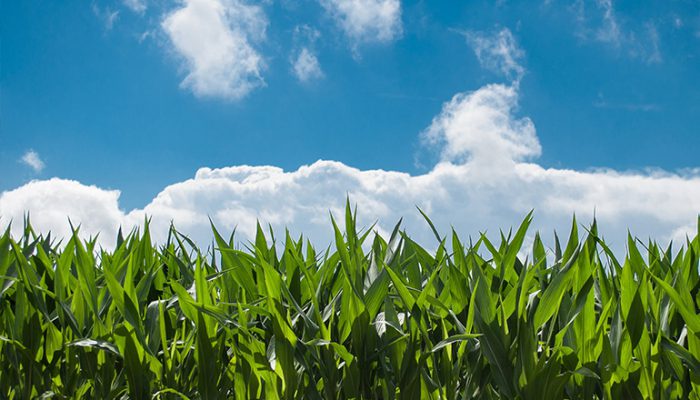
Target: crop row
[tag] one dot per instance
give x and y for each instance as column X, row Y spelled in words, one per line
column 370, row 317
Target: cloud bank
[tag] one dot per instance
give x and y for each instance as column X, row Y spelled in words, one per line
column 471, row 195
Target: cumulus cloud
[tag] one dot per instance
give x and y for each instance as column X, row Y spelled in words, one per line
column 31, row 158
column 50, row 203
column 215, row 40
column 454, row 195
column 480, row 127
column 499, row 53
column 366, row 21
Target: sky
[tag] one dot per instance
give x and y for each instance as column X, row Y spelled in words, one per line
column 276, row 110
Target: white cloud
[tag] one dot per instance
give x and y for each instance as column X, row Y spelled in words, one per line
column 137, row 6
column 51, row 202
column 306, row 66
column 454, row 195
column 472, row 195
column 499, row 53
column 31, row 158
column 215, row 39
column 366, row 21
column 480, row 127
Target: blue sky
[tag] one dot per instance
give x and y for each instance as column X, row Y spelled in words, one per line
column 135, row 95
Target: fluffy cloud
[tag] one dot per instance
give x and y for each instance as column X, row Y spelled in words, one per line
column 31, row 158
column 499, row 53
column 480, row 127
column 366, row 21
column 663, row 207
column 52, row 202
column 215, row 40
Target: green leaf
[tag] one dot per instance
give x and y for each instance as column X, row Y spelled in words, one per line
column 692, row 319
column 551, row 298
column 96, row 344
column 454, row 339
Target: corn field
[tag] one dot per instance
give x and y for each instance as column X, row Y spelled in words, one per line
column 367, row 318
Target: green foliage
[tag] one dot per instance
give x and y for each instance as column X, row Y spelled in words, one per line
column 370, row 318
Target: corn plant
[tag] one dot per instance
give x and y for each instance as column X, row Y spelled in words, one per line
column 370, row 317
